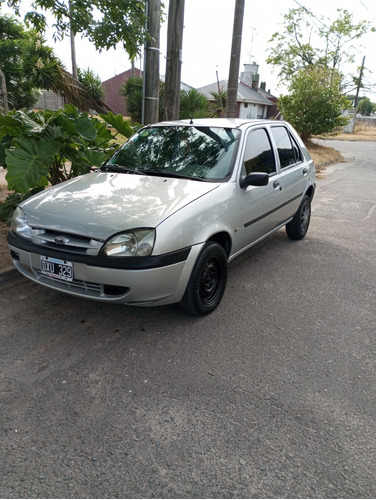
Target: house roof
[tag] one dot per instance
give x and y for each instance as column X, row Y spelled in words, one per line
column 183, row 86
column 245, row 93
column 266, row 94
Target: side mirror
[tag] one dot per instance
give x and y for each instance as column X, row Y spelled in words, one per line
column 255, row 179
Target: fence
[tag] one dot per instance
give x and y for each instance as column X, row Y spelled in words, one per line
column 370, row 121
column 49, row 100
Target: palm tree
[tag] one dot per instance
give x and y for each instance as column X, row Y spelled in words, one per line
column 219, row 106
column 193, row 104
column 47, row 72
column 132, row 91
column 91, row 83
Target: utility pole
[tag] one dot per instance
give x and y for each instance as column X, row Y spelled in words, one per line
column 220, row 114
column 72, row 45
column 174, row 59
column 359, row 83
column 232, row 86
column 349, row 128
column 150, row 108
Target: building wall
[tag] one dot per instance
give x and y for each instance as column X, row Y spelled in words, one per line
column 112, row 87
column 251, row 111
column 49, row 100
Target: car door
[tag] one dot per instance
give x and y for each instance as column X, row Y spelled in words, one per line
column 259, row 204
column 293, row 171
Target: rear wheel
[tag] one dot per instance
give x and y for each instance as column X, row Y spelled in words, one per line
column 298, row 227
column 207, row 282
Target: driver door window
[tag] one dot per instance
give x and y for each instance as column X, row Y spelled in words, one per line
column 258, row 155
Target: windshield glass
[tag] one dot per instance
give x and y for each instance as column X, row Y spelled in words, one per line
column 202, row 153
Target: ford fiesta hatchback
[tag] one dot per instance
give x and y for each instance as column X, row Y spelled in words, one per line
column 159, row 222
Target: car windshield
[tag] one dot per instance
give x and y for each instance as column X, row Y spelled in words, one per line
column 194, row 152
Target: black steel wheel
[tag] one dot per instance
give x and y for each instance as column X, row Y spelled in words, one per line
column 208, row 280
column 298, row 227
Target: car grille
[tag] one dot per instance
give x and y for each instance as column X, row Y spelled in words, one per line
column 65, row 241
column 78, row 287
column 75, row 284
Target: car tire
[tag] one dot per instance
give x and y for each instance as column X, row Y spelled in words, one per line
column 298, row 227
column 208, row 280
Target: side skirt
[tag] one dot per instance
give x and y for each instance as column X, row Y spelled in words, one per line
column 232, row 257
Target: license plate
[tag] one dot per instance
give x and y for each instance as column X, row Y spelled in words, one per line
column 56, row 268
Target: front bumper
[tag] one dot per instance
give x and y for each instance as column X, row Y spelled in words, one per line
column 156, row 280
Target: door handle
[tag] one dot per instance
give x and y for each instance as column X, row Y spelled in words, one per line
column 305, row 171
column 276, row 185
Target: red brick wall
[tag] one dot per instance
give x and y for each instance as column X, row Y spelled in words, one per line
column 112, row 87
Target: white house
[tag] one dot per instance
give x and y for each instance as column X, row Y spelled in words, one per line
column 252, row 102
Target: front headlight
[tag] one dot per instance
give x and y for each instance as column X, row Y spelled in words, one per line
column 135, row 243
column 20, row 225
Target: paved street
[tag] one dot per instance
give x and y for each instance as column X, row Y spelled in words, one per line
column 272, row 395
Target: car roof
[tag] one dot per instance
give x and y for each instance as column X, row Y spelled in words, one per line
column 215, row 122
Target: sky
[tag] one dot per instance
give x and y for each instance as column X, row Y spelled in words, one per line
column 207, row 40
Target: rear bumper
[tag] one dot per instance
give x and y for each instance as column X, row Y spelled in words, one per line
column 139, row 284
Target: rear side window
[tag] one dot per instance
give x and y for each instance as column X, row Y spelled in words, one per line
column 258, row 155
column 288, row 150
column 297, row 152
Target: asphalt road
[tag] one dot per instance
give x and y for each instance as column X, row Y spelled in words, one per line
column 272, row 395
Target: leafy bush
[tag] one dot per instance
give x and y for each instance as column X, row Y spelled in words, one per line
column 132, row 91
column 193, row 104
column 47, row 147
column 91, row 83
column 366, row 107
column 315, row 102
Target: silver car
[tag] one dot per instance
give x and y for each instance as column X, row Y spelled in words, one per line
column 159, row 222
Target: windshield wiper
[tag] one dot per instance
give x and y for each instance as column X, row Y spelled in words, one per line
column 155, row 171
column 112, row 167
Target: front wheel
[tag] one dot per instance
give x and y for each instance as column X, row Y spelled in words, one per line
column 298, row 227
column 208, row 280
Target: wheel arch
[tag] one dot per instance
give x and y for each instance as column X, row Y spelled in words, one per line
column 224, row 239
column 310, row 191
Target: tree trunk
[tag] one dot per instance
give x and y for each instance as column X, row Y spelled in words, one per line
column 232, row 87
column 73, row 47
column 151, row 74
column 173, row 63
column 3, row 93
column 73, row 55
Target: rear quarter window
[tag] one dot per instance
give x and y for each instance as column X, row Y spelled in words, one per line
column 288, row 150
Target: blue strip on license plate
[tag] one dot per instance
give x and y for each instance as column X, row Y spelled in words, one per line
column 56, row 268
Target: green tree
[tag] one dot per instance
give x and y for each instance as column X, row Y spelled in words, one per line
column 219, row 106
column 14, row 40
column 306, row 40
column 366, row 107
column 193, row 104
column 92, row 84
column 315, row 101
column 104, row 22
column 132, row 91
column 29, row 64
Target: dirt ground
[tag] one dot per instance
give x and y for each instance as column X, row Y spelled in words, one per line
column 5, row 260
column 322, row 156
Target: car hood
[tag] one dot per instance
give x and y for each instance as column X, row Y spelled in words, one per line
column 99, row 204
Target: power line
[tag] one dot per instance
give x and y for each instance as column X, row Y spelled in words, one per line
column 311, row 14
column 367, row 9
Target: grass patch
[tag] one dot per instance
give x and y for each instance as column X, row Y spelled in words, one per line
column 323, row 156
